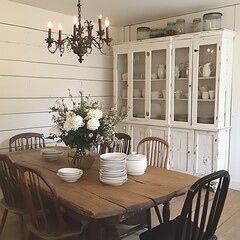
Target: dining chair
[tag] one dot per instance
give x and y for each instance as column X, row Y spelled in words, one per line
column 200, row 214
column 121, row 143
column 45, row 218
column 126, row 142
column 156, row 150
column 25, row 141
column 12, row 200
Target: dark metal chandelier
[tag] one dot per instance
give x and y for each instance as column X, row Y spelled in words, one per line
column 81, row 41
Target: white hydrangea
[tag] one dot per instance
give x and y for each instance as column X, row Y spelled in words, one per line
column 95, row 113
column 55, row 130
column 72, row 122
column 93, row 124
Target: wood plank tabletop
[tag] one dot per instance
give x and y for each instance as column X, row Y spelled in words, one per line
column 91, row 198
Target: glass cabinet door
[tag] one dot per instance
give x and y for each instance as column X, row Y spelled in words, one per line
column 158, row 84
column 138, row 84
column 122, row 82
column 181, row 83
column 205, row 106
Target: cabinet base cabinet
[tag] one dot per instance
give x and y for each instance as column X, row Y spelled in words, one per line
column 181, row 150
column 211, row 151
column 199, row 152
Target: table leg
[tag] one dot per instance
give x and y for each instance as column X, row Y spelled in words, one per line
column 166, row 211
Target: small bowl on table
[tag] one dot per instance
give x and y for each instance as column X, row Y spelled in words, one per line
column 70, row 174
column 51, row 154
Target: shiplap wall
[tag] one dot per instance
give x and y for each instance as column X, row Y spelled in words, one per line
column 31, row 79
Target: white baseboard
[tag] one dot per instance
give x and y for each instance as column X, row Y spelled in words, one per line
column 234, row 185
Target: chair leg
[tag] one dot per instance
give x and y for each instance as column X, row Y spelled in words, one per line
column 149, row 221
column 166, row 211
column 22, row 226
column 4, row 217
column 158, row 214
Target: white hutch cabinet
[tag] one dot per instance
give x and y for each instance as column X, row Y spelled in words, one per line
column 178, row 88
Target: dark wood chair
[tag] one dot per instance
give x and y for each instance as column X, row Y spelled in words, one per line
column 122, row 145
column 126, row 146
column 25, row 141
column 45, row 218
column 156, row 151
column 12, row 196
column 200, row 213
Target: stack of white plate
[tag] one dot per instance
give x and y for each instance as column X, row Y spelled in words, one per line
column 51, row 154
column 113, row 168
column 70, row 174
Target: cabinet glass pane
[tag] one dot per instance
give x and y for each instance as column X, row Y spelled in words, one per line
column 206, row 83
column 158, row 85
column 181, row 84
column 139, row 84
column 122, row 81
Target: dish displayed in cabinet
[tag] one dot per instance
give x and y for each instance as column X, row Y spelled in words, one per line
column 181, row 117
column 205, row 119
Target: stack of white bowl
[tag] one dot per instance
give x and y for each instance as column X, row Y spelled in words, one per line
column 113, row 168
column 136, row 164
column 70, row 174
column 51, row 154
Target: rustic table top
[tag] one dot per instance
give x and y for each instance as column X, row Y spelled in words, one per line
column 93, row 199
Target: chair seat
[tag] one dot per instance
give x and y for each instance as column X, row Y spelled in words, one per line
column 14, row 210
column 164, row 231
column 72, row 228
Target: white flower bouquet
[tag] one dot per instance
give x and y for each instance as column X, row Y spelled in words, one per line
column 84, row 124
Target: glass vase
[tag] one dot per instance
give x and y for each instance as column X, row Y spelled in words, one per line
column 81, row 160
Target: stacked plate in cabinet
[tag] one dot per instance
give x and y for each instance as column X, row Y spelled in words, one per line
column 113, row 168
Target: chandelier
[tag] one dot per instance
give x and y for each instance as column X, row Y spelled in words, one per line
column 81, row 41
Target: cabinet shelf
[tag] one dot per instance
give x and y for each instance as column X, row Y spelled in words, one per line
column 181, row 79
column 158, row 99
column 158, row 79
column 139, row 80
column 123, row 80
column 206, row 100
column 138, row 98
column 207, row 78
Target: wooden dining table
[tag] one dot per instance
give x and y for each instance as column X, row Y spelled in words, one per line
column 100, row 206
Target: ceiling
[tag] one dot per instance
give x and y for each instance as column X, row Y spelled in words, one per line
column 129, row 12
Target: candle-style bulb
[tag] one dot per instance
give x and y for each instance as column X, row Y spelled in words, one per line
column 100, row 24
column 75, row 20
column 107, row 23
column 49, row 30
column 60, row 33
column 50, row 25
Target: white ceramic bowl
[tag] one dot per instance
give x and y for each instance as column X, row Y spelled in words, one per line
column 51, row 154
column 73, row 178
column 113, row 156
column 136, row 157
column 136, row 167
column 70, row 174
column 70, row 171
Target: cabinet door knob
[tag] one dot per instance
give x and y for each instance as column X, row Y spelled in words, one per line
column 196, row 50
column 147, row 113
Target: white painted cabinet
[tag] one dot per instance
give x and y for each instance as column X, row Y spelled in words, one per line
column 179, row 88
column 199, row 152
column 181, row 150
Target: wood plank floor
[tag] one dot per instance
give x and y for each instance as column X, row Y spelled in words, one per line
column 228, row 228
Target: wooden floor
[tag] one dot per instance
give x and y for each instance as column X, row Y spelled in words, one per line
column 228, row 228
